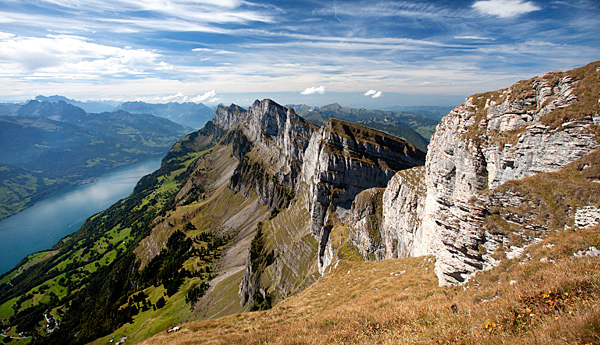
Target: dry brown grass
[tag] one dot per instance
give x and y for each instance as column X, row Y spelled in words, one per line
column 399, row 302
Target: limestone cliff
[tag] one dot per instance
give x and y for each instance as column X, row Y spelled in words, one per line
column 321, row 174
column 395, row 225
column 271, row 141
column 537, row 125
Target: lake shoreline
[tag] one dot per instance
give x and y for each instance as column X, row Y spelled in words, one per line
column 39, row 227
column 53, row 189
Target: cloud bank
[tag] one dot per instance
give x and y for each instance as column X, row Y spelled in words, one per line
column 207, row 97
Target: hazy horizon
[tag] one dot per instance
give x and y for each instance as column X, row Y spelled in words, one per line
column 374, row 54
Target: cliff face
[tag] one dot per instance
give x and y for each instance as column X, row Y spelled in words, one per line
column 342, row 160
column 316, row 174
column 538, row 125
column 386, row 223
column 271, row 141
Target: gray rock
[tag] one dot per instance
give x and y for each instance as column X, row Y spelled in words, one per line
column 587, row 216
column 476, row 148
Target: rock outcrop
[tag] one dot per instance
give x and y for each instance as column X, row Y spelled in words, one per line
column 342, row 160
column 315, row 173
column 538, row 125
column 394, row 230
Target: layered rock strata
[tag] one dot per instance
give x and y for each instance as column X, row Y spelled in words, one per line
column 538, row 125
column 317, row 173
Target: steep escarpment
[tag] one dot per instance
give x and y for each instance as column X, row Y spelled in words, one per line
column 339, row 161
column 535, row 126
column 386, row 223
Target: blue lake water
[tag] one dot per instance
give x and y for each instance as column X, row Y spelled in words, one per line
column 40, row 226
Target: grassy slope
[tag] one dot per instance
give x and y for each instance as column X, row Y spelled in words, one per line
column 398, row 301
column 210, row 212
column 77, row 257
column 547, row 296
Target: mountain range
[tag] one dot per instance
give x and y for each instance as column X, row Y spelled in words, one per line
column 190, row 114
column 415, row 127
column 46, row 146
column 193, row 115
column 343, row 233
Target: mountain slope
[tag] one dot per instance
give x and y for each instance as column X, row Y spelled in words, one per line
column 190, row 114
column 19, row 188
column 61, row 144
column 398, row 301
column 145, row 263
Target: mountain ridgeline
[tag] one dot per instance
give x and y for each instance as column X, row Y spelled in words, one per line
column 48, row 145
column 247, row 203
column 415, row 127
column 260, row 204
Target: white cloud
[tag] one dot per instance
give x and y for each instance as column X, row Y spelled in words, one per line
column 213, row 11
column 313, row 90
column 178, row 97
column 73, row 57
column 208, row 97
column 477, row 38
column 374, row 93
column 505, row 8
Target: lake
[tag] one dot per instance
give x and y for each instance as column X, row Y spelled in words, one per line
column 40, row 226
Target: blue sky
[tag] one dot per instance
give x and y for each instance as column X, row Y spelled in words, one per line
column 358, row 53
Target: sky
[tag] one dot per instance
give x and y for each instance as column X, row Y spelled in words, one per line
column 370, row 53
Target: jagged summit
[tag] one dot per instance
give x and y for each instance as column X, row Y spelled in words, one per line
column 260, row 203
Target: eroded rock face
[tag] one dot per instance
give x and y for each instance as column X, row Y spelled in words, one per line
column 227, row 117
column 386, row 223
column 535, row 126
column 323, row 169
column 341, row 161
column 469, row 153
column 403, row 207
column 365, row 218
column 271, row 141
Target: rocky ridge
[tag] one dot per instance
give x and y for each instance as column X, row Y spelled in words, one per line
column 311, row 175
column 535, row 126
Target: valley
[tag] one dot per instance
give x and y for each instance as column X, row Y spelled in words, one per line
column 49, row 146
column 40, row 226
column 263, row 227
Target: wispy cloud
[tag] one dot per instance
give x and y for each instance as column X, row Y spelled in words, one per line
column 171, row 49
column 477, row 38
column 207, row 97
column 368, row 9
column 505, row 8
column 72, row 57
column 226, row 11
column 313, row 90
